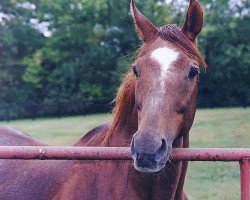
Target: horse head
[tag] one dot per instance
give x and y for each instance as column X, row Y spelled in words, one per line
column 166, row 72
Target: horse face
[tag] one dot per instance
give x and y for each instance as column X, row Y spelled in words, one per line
column 166, row 88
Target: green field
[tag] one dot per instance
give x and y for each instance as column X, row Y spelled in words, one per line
column 212, row 128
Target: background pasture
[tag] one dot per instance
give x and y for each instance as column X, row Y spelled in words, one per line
column 212, row 128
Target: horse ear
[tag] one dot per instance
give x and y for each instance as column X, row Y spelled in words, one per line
column 145, row 29
column 194, row 20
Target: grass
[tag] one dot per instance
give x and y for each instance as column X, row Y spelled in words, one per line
column 58, row 131
column 217, row 128
column 212, row 128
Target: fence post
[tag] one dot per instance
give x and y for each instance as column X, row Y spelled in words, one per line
column 245, row 178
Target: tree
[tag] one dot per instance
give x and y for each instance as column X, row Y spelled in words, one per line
column 67, row 52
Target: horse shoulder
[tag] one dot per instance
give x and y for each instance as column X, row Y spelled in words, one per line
column 29, row 179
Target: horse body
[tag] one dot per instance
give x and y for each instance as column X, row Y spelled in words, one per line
column 28, row 179
column 71, row 180
column 155, row 108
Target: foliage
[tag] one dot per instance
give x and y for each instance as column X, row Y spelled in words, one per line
column 57, row 52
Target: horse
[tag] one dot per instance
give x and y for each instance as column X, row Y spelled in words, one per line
column 154, row 111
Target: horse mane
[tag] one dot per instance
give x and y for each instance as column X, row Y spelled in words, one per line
column 124, row 104
column 125, row 99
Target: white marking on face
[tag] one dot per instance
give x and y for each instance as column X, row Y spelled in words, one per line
column 165, row 57
column 154, row 102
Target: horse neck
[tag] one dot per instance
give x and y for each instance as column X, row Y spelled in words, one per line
column 122, row 134
column 189, row 117
column 125, row 119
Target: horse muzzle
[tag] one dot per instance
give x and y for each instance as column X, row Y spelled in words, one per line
column 150, row 154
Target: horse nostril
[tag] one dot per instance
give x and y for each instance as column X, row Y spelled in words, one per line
column 132, row 147
column 146, row 161
column 162, row 150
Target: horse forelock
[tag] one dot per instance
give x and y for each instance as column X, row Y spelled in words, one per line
column 172, row 33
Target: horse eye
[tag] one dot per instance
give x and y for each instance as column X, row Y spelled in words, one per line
column 193, row 72
column 139, row 106
column 135, row 71
column 182, row 110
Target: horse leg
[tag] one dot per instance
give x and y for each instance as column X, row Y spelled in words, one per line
column 179, row 195
column 184, row 196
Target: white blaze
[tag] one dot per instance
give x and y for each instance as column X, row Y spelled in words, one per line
column 165, row 57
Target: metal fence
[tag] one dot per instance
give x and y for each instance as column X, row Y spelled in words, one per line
column 241, row 155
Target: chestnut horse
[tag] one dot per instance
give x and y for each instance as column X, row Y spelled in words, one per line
column 155, row 108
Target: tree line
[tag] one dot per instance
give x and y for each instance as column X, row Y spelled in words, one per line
column 57, row 55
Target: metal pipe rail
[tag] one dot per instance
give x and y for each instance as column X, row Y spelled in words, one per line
column 117, row 153
column 242, row 155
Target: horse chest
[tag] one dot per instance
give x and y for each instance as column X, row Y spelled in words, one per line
column 108, row 180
